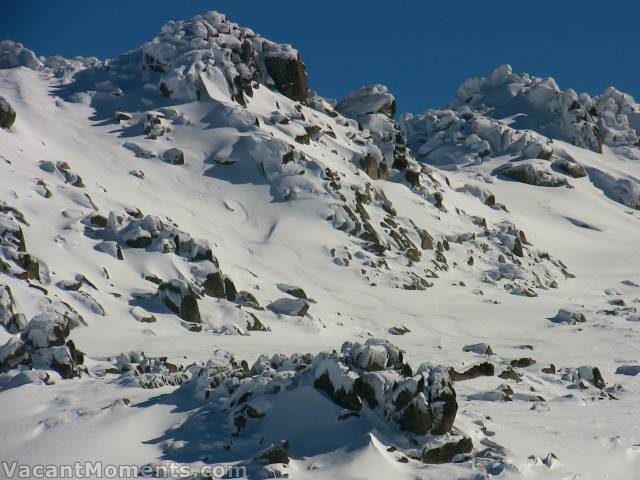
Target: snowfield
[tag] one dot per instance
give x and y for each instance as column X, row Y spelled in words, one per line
column 203, row 262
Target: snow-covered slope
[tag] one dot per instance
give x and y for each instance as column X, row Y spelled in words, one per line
column 205, row 262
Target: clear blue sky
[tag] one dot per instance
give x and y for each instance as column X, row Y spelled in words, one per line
column 422, row 49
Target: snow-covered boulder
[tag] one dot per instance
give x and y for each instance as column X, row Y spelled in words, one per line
column 368, row 101
column 569, row 316
column 289, row 306
column 532, row 172
column 46, row 329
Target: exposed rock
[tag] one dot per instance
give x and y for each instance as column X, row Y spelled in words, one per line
column 591, row 375
column 522, row 362
column 510, row 374
column 484, row 369
column 174, row 156
column 288, row 73
column 276, row 453
column 399, row 330
column 122, row 116
column 180, row 299
column 551, row 369
column 69, row 176
column 7, row 114
column 247, row 299
column 7, row 305
column 631, row 370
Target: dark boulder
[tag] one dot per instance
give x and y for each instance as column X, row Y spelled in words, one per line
column 181, row 300
column 289, row 75
column 446, row 452
column 7, row 114
column 276, row 453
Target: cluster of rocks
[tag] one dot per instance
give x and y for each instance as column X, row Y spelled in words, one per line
column 586, row 378
column 139, row 370
column 42, row 343
column 500, row 252
column 374, row 108
column 208, row 51
column 63, row 170
column 14, row 257
column 370, row 381
column 517, row 117
column 612, row 118
column 134, row 230
column 14, row 54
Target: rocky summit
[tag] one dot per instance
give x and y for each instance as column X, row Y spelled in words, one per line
column 204, row 261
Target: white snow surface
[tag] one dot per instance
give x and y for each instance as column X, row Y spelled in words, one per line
column 274, row 192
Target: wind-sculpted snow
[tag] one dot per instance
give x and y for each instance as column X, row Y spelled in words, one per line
column 194, row 196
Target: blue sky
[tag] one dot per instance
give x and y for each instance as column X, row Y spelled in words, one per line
column 422, row 50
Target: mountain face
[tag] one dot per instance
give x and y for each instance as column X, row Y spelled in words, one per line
column 203, row 261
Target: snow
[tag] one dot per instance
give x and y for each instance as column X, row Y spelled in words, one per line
column 281, row 195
